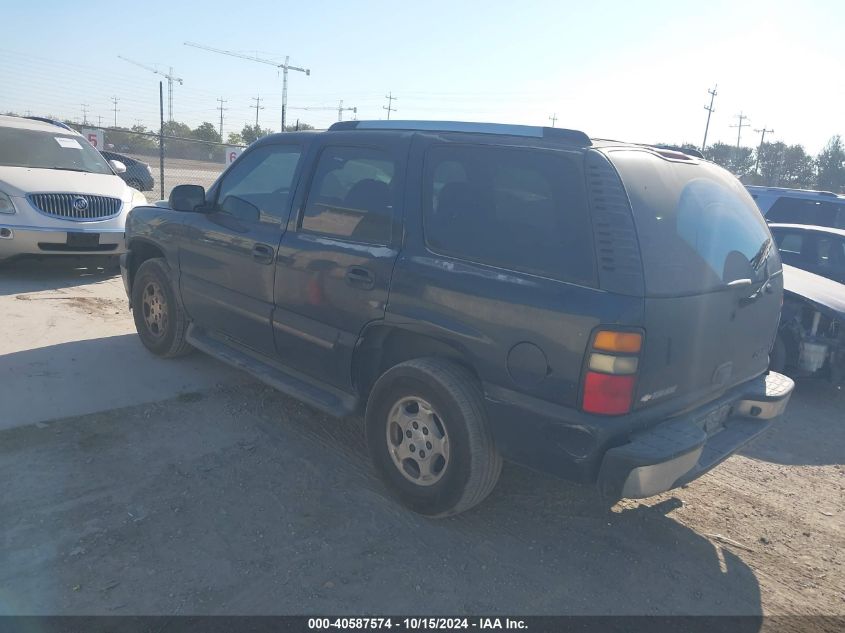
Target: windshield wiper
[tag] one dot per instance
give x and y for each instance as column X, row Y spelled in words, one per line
column 761, row 254
column 84, row 171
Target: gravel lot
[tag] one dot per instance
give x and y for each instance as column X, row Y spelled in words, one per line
column 132, row 485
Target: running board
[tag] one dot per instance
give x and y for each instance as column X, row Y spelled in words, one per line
column 322, row 397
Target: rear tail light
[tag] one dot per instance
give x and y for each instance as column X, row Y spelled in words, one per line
column 607, row 394
column 611, row 372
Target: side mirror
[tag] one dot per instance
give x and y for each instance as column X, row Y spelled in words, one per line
column 119, row 167
column 187, row 197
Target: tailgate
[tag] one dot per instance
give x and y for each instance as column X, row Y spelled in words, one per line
column 713, row 282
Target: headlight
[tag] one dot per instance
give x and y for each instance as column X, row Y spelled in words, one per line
column 6, row 204
column 138, row 199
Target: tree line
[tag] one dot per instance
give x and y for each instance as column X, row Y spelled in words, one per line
column 780, row 165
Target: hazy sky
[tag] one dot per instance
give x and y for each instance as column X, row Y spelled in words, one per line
column 633, row 70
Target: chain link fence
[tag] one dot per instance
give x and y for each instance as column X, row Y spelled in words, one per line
column 155, row 171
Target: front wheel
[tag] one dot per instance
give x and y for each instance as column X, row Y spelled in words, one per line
column 428, row 437
column 159, row 318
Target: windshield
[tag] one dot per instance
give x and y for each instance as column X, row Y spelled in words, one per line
column 49, row 150
column 699, row 230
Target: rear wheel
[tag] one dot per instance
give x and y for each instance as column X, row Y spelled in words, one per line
column 428, row 437
column 159, row 318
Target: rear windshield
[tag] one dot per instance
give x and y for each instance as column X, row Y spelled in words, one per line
column 698, row 227
column 49, row 150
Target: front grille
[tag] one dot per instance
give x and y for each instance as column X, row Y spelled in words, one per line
column 68, row 206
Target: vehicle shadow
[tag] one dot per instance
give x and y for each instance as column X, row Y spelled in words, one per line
column 242, row 501
column 81, row 377
column 811, row 431
column 34, row 275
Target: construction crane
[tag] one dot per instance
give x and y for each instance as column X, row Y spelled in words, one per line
column 340, row 109
column 285, row 67
column 170, row 79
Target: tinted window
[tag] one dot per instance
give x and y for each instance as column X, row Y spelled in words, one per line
column 792, row 243
column 807, row 211
column 697, row 226
column 352, row 195
column 258, row 185
column 49, row 150
column 830, row 252
column 517, row 209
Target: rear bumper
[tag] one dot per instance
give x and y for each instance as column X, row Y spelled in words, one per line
column 30, row 240
column 680, row 450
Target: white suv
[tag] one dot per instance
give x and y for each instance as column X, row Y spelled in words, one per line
column 58, row 195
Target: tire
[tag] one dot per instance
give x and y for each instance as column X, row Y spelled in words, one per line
column 159, row 318
column 457, row 474
column 777, row 360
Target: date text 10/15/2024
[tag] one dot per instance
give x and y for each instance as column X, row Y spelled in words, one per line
column 413, row 624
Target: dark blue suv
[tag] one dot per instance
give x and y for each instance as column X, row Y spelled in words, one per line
column 598, row 310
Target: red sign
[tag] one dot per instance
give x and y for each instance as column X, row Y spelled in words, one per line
column 92, row 138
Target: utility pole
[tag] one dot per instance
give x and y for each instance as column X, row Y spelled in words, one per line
column 553, row 119
column 99, row 121
column 742, row 118
column 763, row 133
column 85, row 107
column 257, row 107
column 285, row 68
column 389, row 107
column 710, row 110
column 114, row 101
column 221, row 101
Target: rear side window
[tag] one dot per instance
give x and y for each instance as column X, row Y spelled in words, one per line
column 523, row 210
column 697, row 226
column 792, row 243
column 352, row 195
column 788, row 210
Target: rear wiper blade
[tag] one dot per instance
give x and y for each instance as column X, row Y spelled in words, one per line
column 761, row 254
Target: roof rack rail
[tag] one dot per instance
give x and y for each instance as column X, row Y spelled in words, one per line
column 504, row 129
column 44, row 119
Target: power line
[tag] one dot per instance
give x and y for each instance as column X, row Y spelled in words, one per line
column 85, row 107
column 114, row 101
column 553, row 119
column 742, row 118
column 257, row 107
column 763, row 133
column 389, row 107
column 710, row 110
column 221, row 101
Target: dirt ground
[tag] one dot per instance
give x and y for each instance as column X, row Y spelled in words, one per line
column 160, row 487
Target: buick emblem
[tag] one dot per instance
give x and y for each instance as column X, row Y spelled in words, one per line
column 80, row 203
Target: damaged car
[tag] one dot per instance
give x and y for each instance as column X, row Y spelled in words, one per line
column 811, row 336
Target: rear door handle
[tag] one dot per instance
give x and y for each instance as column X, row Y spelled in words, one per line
column 262, row 253
column 360, row 277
